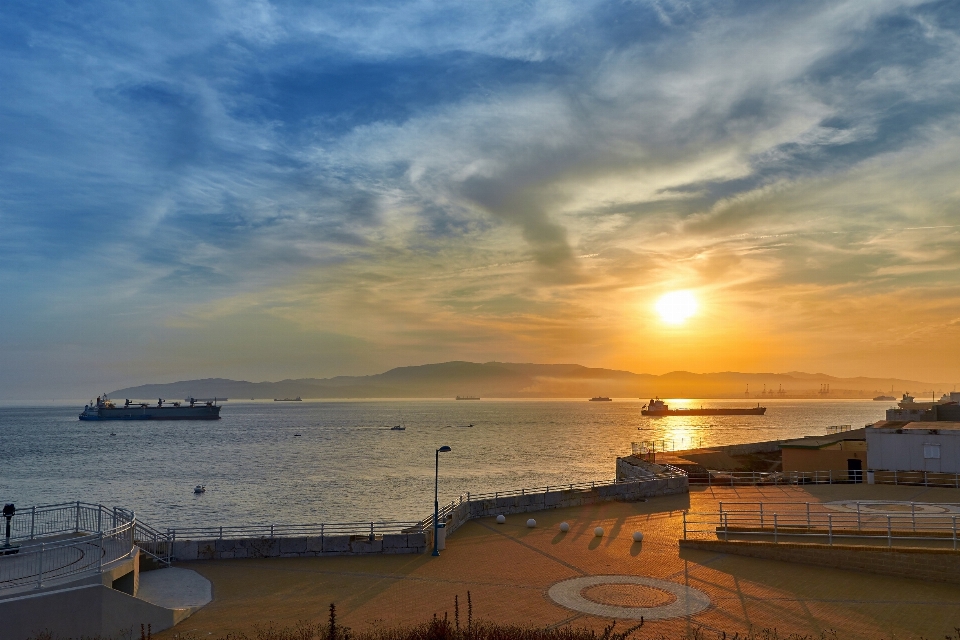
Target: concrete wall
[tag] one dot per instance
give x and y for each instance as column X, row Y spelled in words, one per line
column 891, row 451
column 184, row 550
column 940, row 565
column 90, row 610
column 620, row 492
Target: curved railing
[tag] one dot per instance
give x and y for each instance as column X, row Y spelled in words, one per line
column 65, row 542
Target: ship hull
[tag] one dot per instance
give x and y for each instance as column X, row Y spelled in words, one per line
column 753, row 411
column 204, row 412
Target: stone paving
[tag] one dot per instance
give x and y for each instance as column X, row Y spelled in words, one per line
column 510, row 569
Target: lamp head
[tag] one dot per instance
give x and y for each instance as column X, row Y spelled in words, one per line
column 9, row 510
column 444, row 449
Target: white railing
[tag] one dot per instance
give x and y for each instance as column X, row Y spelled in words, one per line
column 813, row 522
column 91, row 537
column 292, row 530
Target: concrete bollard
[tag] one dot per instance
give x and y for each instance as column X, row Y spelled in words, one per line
column 638, row 536
column 598, row 532
column 531, row 523
column 564, row 527
column 501, row 519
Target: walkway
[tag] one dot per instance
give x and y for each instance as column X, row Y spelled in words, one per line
column 510, row 569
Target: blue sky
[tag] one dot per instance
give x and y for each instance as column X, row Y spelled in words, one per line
column 267, row 190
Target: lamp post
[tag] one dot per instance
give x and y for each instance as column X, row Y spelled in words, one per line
column 436, row 502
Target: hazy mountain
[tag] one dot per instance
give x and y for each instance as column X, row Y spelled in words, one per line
column 515, row 380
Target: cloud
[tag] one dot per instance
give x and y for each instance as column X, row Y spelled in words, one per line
column 423, row 175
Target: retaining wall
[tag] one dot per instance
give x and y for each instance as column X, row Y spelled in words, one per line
column 394, row 543
column 941, row 565
column 562, row 498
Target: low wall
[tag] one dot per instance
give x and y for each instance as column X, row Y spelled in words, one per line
column 221, row 549
column 940, row 565
column 562, row 498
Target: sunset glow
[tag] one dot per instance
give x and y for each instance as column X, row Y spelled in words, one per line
column 676, row 307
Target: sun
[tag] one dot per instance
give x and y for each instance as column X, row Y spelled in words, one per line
column 675, row 307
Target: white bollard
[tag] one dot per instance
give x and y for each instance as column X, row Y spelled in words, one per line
column 598, row 532
column 531, row 523
column 638, row 536
column 501, row 519
column 564, row 527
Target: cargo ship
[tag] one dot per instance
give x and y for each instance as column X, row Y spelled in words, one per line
column 468, row 397
column 658, row 407
column 106, row 409
column 600, row 399
column 297, row 399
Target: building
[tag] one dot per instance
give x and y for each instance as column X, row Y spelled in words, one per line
column 914, row 446
column 843, row 453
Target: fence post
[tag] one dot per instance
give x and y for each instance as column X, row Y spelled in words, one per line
column 40, row 566
column 761, row 516
column 271, row 531
column 220, row 537
column 774, row 528
column 954, row 528
column 913, row 515
column 100, row 559
column 954, row 533
column 889, row 536
column 76, row 528
column 33, row 519
column 830, row 528
column 726, row 529
column 858, row 515
column 371, row 532
column 830, row 477
column 100, row 517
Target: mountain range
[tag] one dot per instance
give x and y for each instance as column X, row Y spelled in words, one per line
column 524, row 380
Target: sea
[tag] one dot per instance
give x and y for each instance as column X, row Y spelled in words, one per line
column 338, row 461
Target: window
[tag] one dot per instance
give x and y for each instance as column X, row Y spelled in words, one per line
column 931, row 451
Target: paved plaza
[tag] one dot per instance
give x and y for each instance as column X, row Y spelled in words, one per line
column 543, row 577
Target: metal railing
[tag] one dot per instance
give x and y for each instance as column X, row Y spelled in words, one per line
column 741, row 478
column 670, row 472
column 91, row 537
column 292, row 530
column 814, row 522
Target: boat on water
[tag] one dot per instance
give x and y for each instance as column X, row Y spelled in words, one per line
column 200, row 488
column 399, row 427
column 103, row 408
column 658, row 407
column 468, row 397
column 297, row 399
column 601, row 399
column 884, row 398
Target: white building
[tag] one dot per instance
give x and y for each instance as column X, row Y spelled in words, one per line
column 914, row 446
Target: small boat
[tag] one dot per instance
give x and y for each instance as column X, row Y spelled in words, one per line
column 296, row 435
column 200, row 489
column 399, row 427
column 601, row 399
column 464, row 426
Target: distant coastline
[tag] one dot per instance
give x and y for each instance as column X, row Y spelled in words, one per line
column 511, row 380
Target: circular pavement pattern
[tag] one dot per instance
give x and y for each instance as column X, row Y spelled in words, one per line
column 683, row 600
column 893, row 508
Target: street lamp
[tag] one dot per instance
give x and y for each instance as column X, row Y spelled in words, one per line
column 436, row 502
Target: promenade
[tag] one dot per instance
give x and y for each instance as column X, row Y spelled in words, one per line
column 512, row 573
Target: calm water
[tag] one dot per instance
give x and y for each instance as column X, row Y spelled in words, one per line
column 346, row 466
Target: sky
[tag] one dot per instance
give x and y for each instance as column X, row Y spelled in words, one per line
column 267, row 190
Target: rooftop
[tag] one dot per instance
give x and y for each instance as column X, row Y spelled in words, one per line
column 819, row 442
